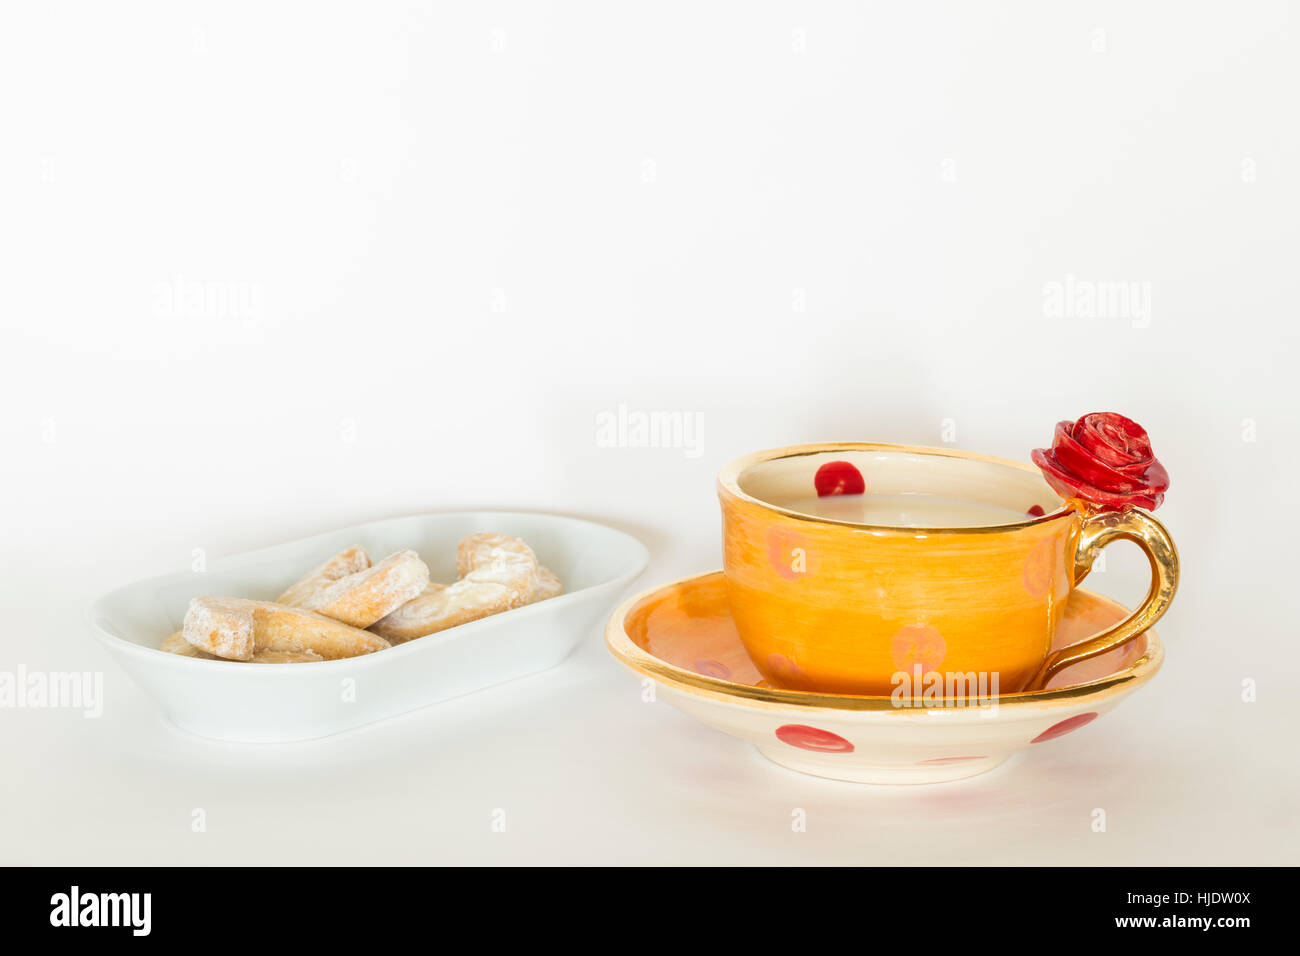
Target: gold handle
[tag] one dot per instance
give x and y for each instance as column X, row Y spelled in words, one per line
column 1099, row 530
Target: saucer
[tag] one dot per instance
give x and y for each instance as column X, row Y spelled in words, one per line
column 682, row 637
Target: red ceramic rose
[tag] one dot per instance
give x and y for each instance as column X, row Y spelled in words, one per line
column 1106, row 460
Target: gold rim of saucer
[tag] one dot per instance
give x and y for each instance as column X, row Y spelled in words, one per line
column 642, row 661
column 728, row 481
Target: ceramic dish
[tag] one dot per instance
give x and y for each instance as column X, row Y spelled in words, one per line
column 282, row 702
column 683, row 638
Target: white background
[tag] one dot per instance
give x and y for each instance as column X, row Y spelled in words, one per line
column 271, row 269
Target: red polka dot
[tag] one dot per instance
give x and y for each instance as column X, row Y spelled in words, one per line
column 1036, row 511
column 1064, row 727
column 918, row 644
column 788, row 553
column 940, row 761
column 810, row 738
column 1039, row 568
column 784, row 668
column 839, row 478
column 712, row 668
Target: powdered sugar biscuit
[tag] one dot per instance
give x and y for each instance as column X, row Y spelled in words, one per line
column 346, row 562
column 176, row 644
column 363, row 598
column 548, row 586
column 240, row 629
column 441, row 606
column 502, row 560
column 507, row 560
column 221, row 626
column 304, row 656
column 498, row 573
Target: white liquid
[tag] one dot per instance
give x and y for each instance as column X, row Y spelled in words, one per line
column 907, row 511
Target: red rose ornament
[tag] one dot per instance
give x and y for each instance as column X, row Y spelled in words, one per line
column 1106, row 460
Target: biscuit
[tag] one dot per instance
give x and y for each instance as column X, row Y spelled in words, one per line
column 498, row 573
column 500, row 558
column 222, row 627
column 348, row 561
column 176, row 644
column 548, row 586
column 241, row 630
column 363, row 598
column 304, row 656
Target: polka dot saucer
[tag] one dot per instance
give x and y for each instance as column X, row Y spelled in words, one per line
column 682, row 638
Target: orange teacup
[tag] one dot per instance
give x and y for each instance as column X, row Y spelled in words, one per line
column 950, row 564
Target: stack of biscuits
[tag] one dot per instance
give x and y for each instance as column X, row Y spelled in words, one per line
column 349, row 606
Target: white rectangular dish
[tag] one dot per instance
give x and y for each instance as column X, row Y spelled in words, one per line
column 282, row 702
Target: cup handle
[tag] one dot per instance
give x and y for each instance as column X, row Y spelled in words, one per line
column 1100, row 529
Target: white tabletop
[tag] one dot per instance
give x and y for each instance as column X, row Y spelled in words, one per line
column 582, row 771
